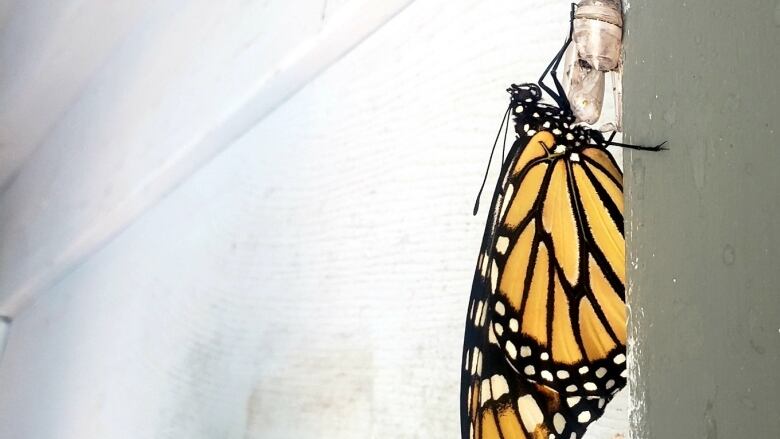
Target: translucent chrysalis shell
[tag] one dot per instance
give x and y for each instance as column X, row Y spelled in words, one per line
column 598, row 31
column 586, row 89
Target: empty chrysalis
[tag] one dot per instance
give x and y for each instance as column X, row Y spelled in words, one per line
column 597, row 36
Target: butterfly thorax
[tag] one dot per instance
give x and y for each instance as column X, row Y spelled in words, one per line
column 532, row 116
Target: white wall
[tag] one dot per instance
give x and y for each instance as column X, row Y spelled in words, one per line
column 308, row 281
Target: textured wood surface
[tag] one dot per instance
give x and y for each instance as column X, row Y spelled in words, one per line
column 702, row 220
column 310, row 280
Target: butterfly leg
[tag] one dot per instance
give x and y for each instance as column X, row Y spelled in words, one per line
column 598, row 140
column 551, row 70
column 551, row 155
column 658, row 147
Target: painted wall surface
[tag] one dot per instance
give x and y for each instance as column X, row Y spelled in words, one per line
column 179, row 84
column 311, row 279
column 702, row 221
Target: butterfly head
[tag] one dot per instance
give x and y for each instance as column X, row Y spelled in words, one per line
column 525, row 94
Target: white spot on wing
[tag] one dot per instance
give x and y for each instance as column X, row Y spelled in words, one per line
column 492, row 336
column 573, row 401
column 500, row 309
column 514, row 325
column 530, row 413
column 562, row 374
column 620, row 359
column 529, row 370
column 483, row 268
column 559, row 422
column 511, row 349
column 547, row 375
column 484, row 392
column 601, row 371
column 499, row 385
column 590, row 386
column 474, row 359
column 502, row 243
column 494, row 277
column 525, row 351
column 510, row 190
column 478, row 315
column 583, row 417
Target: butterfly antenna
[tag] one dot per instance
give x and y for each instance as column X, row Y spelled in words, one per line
column 495, row 142
column 503, row 145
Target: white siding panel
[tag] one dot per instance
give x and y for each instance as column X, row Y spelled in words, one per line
column 49, row 50
column 184, row 84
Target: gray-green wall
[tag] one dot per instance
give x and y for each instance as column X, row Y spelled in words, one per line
column 703, row 218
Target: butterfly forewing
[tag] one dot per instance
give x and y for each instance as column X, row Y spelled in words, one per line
column 546, row 329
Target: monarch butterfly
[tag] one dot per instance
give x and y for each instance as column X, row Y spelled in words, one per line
column 545, row 339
